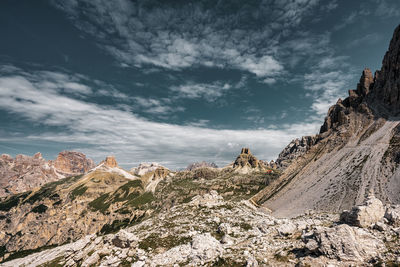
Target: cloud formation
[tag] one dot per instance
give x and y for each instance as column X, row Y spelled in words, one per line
column 39, row 97
column 222, row 34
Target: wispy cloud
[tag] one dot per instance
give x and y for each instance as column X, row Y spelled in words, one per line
column 195, row 33
column 209, row 92
column 325, row 88
column 370, row 38
column 104, row 129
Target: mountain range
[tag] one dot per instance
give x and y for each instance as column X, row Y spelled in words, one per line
column 332, row 199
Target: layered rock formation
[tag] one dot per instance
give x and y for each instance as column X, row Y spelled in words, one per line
column 73, row 163
column 357, row 150
column 25, row 173
column 144, row 168
column 293, row 150
column 108, row 198
column 203, row 164
column 209, row 230
column 247, row 162
column 110, row 161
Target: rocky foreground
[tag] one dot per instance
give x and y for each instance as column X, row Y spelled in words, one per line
column 211, row 231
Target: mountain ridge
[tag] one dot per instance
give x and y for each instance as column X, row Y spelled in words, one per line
column 354, row 152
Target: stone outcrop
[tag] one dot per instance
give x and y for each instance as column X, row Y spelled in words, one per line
column 203, row 164
column 110, row 161
column 226, row 233
column 345, row 243
column 144, row 168
column 392, row 214
column 355, row 151
column 71, row 162
column 293, row 150
column 246, row 162
column 364, row 215
column 342, row 113
column 25, row 173
column 386, row 88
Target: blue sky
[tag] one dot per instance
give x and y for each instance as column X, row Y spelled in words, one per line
column 179, row 81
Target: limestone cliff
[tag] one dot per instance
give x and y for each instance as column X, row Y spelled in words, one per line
column 25, row 173
column 357, row 150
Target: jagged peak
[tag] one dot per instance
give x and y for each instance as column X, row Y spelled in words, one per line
column 247, row 161
column 110, row 161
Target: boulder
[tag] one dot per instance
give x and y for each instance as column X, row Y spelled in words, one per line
column 207, row 200
column 392, row 214
column 345, row 243
column 366, row 215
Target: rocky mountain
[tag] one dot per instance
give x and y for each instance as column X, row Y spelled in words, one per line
column 247, row 162
column 25, row 173
column 339, row 191
column 144, row 168
column 203, row 164
column 211, row 230
column 356, row 151
column 108, row 198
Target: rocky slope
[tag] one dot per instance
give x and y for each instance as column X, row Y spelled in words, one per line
column 356, row 151
column 209, row 230
column 25, row 173
column 108, row 198
column 203, row 164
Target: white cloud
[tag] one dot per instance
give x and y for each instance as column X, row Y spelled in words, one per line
column 326, row 88
column 180, row 36
column 209, row 92
column 106, row 129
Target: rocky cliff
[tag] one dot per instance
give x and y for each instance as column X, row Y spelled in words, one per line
column 72, row 163
column 357, row 150
column 203, row 164
column 25, row 173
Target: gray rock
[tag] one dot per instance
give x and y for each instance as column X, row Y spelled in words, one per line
column 345, row 243
column 364, row 215
column 392, row 214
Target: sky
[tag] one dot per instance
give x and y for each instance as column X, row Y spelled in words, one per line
column 177, row 82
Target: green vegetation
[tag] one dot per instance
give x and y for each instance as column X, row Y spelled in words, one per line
column 49, row 190
column 13, row 201
column 281, row 258
column 24, row 253
column 100, row 204
column 53, row 263
column 125, row 263
column 227, row 262
column 154, row 241
column 141, row 200
column 246, row 226
column 128, row 191
column 39, row 209
column 114, row 226
column 78, row 191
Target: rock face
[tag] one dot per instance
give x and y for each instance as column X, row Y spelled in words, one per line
column 345, row 243
column 386, row 88
column 25, row 173
column 225, row 233
column 144, row 168
column 110, row 161
column 392, row 214
column 293, row 150
column 365, row 215
column 246, row 162
column 203, row 164
column 356, row 151
column 70, row 162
